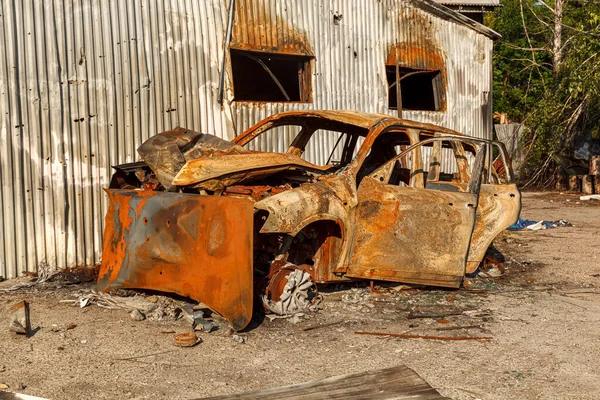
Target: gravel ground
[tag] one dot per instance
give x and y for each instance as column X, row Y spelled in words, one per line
column 543, row 315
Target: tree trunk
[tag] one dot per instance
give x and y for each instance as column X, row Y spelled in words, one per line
column 557, row 45
column 595, row 165
column 574, row 183
column 587, row 184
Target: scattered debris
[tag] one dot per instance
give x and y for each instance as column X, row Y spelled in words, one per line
column 538, row 225
column 561, row 223
column 238, row 338
column 187, row 340
column 590, row 197
column 405, row 336
column 455, row 328
column 296, row 318
column 493, row 273
column 433, row 314
column 161, row 308
column 76, row 275
column 137, row 315
column 20, row 321
column 44, row 274
column 201, row 317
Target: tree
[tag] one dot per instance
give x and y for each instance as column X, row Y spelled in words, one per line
column 547, row 75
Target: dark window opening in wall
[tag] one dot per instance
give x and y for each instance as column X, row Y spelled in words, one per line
column 475, row 16
column 420, row 89
column 270, row 77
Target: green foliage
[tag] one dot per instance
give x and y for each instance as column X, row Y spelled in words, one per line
column 554, row 106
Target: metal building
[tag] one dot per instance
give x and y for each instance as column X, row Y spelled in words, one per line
column 84, row 82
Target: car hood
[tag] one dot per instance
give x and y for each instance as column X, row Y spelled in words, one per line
column 181, row 157
column 219, row 171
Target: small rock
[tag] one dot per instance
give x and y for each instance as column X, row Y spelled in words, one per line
column 3, row 386
column 137, row 315
column 71, row 326
column 21, row 386
column 296, row 318
column 153, row 299
column 238, row 338
column 83, row 341
column 157, row 314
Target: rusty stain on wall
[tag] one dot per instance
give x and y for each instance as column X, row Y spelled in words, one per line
column 258, row 28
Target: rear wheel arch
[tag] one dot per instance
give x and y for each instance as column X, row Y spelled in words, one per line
column 319, row 243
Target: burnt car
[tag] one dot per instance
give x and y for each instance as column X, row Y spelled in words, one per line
column 217, row 221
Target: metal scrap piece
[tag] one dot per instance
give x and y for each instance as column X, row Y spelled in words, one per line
column 195, row 246
column 167, row 152
column 20, row 322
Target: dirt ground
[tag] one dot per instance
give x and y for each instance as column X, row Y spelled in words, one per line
column 543, row 315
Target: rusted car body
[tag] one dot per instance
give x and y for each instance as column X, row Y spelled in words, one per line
column 214, row 220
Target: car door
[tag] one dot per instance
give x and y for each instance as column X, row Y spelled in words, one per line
column 499, row 204
column 413, row 234
column 499, row 201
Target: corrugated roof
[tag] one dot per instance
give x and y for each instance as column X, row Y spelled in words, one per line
column 487, row 3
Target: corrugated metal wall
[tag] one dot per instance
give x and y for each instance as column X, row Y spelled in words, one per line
column 84, row 82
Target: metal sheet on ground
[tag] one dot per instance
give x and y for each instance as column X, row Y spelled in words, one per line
column 192, row 245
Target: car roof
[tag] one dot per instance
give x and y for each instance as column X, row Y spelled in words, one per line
column 357, row 118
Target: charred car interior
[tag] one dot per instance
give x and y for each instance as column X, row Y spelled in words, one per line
column 219, row 221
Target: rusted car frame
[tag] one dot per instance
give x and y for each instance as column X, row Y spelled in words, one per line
column 395, row 200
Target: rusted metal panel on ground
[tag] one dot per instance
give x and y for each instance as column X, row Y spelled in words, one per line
column 195, row 246
column 411, row 235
